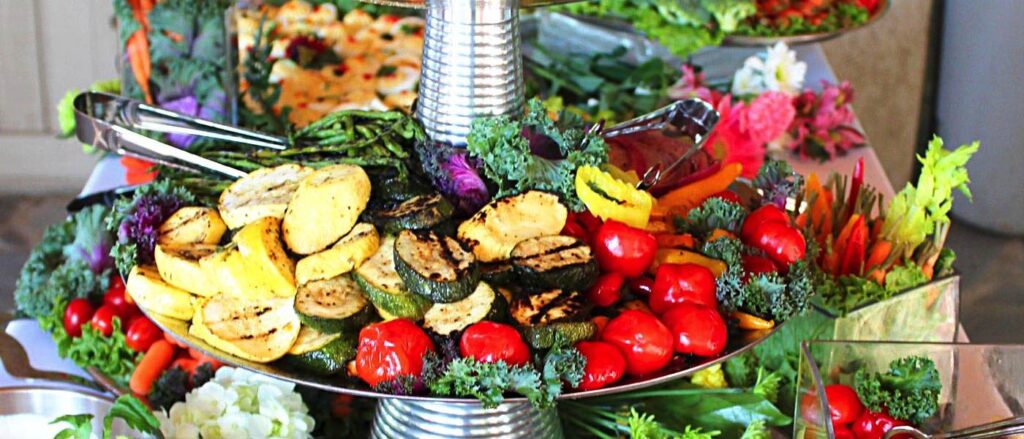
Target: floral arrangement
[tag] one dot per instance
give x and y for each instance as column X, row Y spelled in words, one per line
column 766, row 108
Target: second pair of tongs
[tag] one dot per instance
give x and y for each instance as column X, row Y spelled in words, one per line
column 1002, row 428
column 110, row 122
column 691, row 118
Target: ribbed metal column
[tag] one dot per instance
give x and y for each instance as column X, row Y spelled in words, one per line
column 433, row 420
column 471, row 65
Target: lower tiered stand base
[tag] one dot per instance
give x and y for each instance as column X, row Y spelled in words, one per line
column 397, row 418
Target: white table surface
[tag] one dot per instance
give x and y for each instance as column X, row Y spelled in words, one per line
column 109, row 174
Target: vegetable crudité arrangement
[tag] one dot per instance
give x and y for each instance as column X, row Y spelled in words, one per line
column 337, row 257
column 905, row 394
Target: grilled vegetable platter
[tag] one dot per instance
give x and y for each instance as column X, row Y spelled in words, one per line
column 443, row 272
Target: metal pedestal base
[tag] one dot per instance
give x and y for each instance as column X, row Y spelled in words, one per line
column 429, row 420
column 471, row 66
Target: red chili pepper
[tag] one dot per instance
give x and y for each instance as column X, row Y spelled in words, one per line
column 390, row 350
column 643, row 340
column 605, row 364
column 623, row 249
column 856, row 249
column 696, row 329
column 490, row 342
column 679, row 283
column 607, row 290
column 856, row 181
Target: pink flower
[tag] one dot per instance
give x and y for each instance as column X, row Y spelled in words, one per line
column 691, row 85
column 768, row 116
column 730, row 143
column 823, row 127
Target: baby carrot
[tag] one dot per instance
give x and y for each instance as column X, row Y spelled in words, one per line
column 156, row 360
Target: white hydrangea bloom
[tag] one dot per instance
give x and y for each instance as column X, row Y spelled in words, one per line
column 239, row 404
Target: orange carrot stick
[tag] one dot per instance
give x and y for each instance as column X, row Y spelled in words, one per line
column 667, row 240
column 153, row 363
column 138, row 56
column 880, row 251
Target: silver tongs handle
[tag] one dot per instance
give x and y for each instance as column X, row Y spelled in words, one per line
column 103, row 120
column 1001, row 428
column 693, row 118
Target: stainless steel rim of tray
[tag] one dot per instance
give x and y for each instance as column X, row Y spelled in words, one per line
column 752, row 41
column 678, row 368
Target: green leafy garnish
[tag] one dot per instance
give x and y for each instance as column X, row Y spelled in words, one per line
column 909, row 390
column 80, row 427
column 127, row 408
column 715, row 213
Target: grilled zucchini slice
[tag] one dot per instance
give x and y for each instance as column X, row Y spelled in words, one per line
column 495, row 230
column 389, row 187
column 333, row 305
column 256, row 330
column 264, row 192
column 417, row 213
column 555, row 261
column 324, row 208
column 446, row 318
column 151, row 293
column 179, row 266
column 192, row 225
column 499, row 274
column 548, row 307
column 384, row 287
column 435, row 267
column 319, row 353
column 545, row 336
column 344, row 256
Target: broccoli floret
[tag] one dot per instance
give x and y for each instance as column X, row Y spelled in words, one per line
column 729, row 13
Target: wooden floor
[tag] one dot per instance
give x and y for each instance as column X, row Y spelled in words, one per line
column 992, row 298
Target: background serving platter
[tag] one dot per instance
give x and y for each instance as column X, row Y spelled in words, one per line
column 679, row 367
column 760, row 41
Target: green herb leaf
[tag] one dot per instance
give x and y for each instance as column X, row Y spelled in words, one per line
column 81, row 427
column 909, row 390
column 134, row 413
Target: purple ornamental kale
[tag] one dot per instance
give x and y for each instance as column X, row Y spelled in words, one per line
column 455, row 175
column 142, row 225
column 92, row 241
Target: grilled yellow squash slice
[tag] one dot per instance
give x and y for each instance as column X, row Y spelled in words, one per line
column 264, row 192
column 325, row 207
column 264, row 258
column 151, row 293
column 495, row 230
column 256, row 330
column 228, row 274
column 179, row 266
column 344, row 256
column 192, row 225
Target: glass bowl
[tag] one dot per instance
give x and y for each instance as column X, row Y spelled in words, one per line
column 980, row 383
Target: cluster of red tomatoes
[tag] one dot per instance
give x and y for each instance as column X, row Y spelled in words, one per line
column 850, row 419
column 140, row 332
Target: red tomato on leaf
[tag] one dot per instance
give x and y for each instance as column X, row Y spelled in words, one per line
column 643, row 340
column 623, row 249
column 142, row 333
column 391, row 349
column 103, row 319
column 696, row 329
column 605, row 364
column 76, row 314
column 678, row 283
column 607, row 290
column 490, row 342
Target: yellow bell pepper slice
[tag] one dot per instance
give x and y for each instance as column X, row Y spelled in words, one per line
column 609, row 198
column 750, row 321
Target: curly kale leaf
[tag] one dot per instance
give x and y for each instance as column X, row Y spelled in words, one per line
column 45, row 257
column 136, row 221
column 535, row 153
column 909, row 390
column 171, row 387
column 715, row 213
column 770, row 295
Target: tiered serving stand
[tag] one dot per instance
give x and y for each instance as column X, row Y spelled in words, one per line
column 471, row 68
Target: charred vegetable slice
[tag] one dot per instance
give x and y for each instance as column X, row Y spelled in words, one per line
column 435, row 267
column 417, row 213
column 499, row 274
column 552, row 306
column 384, row 287
column 319, row 353
column 446, row 318
column 345, row 255
column 179, row 266
column 192, row 225
column 324, row 208
column 151, row 293
column 333, row 305
column 545, row 336
column 555, row 261
column 256, row 330
column 264, row 192
column 495, row 230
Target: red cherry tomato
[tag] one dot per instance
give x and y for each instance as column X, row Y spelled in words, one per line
column 641, row 286
column 754, row 264
column 696, row 329
column 768, row 213
column 103, row 319
column 607, row 290
column 871, row 425
column 844, row 405
column 643, row 340
column 729, row 196
column 810, row 408
column 76, row 314
column 843, row 433
column 391, row 349
column 490, row 342
column 678, row 283
column 117, row 298
column 783, row 243
column 605, row 364
column 623, row 249
column 142, row 333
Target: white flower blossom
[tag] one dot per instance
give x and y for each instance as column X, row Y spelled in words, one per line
column 776, row 69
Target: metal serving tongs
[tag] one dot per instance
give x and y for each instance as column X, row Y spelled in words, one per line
column 109, row 122
column 1003, row 428
column 693, row 118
